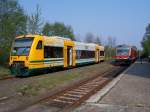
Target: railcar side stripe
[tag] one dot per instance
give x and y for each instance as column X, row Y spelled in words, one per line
column 37, row 61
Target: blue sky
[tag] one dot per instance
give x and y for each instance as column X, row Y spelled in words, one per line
column 123, row 19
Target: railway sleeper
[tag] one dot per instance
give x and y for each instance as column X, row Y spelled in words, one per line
column 67, row 98
column 97, row 80
column 73, row 95
column 77, row 92
column 84, row 88
column 90, row 86
column 95, row 83
column 81, row 90
column 62, row 101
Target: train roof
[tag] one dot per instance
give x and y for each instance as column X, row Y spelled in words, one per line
column 59, row 41
column 31, row 35
column 126, row 46
column 87, row 46
column 57, row 37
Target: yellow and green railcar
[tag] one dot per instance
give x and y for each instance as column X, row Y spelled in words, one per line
column 36, row 52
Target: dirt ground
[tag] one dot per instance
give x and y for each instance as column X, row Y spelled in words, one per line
column 19, row 93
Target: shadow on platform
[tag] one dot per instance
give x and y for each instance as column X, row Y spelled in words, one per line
column 141, row 70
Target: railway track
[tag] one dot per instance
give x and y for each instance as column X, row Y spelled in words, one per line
column 68, row 99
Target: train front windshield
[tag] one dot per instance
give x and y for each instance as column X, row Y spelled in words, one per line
column 22, row 46
column 122, row 52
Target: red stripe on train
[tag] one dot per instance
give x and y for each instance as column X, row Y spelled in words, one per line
column 120, row 57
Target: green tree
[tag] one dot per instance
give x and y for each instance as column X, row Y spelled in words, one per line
column 47, row 29
column 35, row 23
column 58, row 29
column 12, row 23
column 146, row 41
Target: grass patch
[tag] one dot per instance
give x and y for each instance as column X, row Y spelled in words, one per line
column 4, row 72
column 28, row 90
column 45, row 83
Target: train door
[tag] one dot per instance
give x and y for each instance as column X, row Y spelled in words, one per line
column 69, row 56
column 97, row 55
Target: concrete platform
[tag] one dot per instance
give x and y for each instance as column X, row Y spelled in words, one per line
column 130, row 93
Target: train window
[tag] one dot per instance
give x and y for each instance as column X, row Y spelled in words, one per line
column 53, row 52
column 39, row 45
column 78, row 54
column 22, row 46
column 101, row 53
column 122, row 52
column 83, row 54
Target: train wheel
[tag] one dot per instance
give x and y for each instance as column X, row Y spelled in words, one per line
column 23, row 72
column 18, row 70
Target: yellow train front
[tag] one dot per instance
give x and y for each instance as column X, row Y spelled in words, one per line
column 31, row 53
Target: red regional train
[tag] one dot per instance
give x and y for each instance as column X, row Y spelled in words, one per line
column 125, row 55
